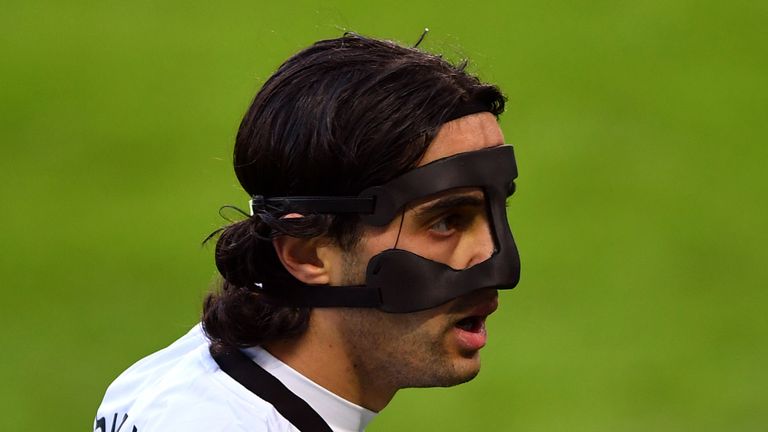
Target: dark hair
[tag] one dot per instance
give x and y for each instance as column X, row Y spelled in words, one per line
column 339, row 116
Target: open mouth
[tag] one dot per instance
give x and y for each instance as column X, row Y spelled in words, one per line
column 472, row 324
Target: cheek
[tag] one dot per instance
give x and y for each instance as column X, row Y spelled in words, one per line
column 419, row 329
column 351, row 266
column 437, row 249
column 377, row 239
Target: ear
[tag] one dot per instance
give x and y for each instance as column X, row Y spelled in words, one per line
column 303, row 258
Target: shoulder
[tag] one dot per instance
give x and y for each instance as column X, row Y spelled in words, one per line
column 205, row 416
column 194, row 419
column 182, row 388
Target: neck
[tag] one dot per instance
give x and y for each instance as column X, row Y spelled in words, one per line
column 322, row 355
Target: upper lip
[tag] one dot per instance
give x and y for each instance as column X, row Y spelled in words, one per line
column 482, row 305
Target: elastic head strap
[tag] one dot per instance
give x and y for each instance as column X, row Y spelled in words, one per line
column 465, row 109
column 378, row 205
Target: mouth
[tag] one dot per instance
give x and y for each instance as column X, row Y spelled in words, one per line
column 470, row 327
column 472, row 324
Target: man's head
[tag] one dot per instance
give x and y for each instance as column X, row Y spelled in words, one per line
column 438, row 346
column 337, row 118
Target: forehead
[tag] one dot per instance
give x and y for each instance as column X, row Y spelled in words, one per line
column 469, row 133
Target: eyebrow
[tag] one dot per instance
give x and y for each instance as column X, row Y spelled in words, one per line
column 449, row 202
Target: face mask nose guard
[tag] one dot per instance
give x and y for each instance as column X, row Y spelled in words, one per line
column 401, row 281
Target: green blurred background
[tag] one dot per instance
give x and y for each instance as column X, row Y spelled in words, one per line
column 641, row 208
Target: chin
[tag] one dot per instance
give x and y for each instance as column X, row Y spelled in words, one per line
column 464, row 369
column 447, row 373
column 467, row 369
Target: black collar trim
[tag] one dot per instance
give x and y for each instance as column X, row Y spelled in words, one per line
column 264, row 385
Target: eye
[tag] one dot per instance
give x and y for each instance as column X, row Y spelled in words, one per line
column 441, row 226
column 449, row 223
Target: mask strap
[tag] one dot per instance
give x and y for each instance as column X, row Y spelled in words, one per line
column 465, row 109
column 399, row 230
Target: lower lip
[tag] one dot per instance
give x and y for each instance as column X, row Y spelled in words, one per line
column 471, row 341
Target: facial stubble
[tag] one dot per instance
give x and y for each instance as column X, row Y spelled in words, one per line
column 401, row 350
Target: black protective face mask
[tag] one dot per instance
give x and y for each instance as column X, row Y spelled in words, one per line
column 401, row 281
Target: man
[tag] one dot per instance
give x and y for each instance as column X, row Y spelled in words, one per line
column 375, row 247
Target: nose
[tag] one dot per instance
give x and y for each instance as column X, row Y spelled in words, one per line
column 475, row 247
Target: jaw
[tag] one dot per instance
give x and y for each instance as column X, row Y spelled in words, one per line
column 366, row 355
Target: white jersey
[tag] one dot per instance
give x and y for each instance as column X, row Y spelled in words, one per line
column 183, row 388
